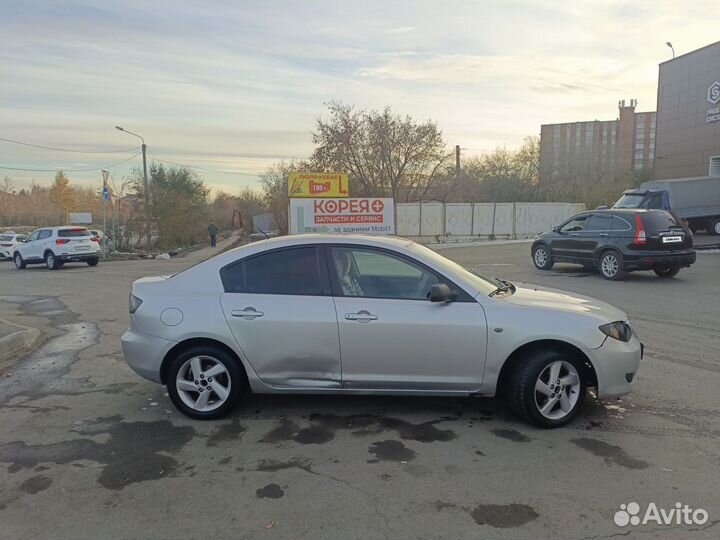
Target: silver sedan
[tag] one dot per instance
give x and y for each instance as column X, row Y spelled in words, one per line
column 371, row 315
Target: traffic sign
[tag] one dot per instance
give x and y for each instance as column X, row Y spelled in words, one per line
column 106, row 193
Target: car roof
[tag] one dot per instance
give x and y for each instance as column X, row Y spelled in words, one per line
column 61, row 227
column 316, row 238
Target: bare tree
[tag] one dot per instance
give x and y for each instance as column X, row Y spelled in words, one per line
column 385, row 154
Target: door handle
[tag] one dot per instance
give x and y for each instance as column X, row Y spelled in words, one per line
column 361, row 316
column 575, row 234
column 603, row 234
column 248, row 313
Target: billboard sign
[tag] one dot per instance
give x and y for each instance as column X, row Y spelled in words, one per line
column 356, row 215
column 80, row 218
column 313, row 185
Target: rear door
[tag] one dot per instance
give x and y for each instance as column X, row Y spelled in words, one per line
column 596, row 233
column 281, row 313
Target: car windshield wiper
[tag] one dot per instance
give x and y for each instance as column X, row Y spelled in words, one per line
column 504, row 287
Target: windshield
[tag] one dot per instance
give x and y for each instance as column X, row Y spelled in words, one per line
column 629, row 200
column 483, row 283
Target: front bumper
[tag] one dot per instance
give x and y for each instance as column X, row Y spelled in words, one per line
column 616, row 364
column 650, row 260
column 144, row 354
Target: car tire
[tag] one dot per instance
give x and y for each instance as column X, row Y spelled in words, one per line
column 530, row 388
column 611, row 266
column 20, row 264
column 50, row 261
column 92, row 262
column 667, row 272
column 187, row 389
column 542, row 257
column 714, row 226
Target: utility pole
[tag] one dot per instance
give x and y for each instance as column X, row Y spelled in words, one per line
column 147, row 188
column 457, row 162
column 147, row 198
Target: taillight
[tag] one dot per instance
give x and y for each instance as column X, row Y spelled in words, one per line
column 95, row 239
column 61, row 241
column 640, row 236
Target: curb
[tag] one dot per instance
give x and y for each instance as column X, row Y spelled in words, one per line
column 22, row 340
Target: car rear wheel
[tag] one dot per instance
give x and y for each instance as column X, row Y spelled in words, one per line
column 612, row 266
column 548, row 388
column 542, row 258
column 714, row 226
column 92, row 262
column 205, row 382
column 19, row 262
column 51, row 262
column 667, row 272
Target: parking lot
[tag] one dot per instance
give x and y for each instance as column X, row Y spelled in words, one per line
column 117, row 461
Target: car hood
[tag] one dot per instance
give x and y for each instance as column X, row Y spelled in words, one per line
column 544, row 298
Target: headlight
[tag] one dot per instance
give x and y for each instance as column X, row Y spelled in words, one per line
column 617, row 330
column 134, row 303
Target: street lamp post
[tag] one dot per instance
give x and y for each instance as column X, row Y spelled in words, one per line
column 147, row 189
column 671, row 47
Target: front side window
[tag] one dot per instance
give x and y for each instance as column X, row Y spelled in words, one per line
column 293, row 271
column 34, row 236
column 377, row 274
column 44, row 234
column 575, row 224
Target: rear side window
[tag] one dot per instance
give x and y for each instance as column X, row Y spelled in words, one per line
column 6, row 238
column 599, row 222
column 659, row 221
column 289, row 271
column 73, row 233
column 620, row 224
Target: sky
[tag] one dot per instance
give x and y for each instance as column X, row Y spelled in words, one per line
column 235, row 86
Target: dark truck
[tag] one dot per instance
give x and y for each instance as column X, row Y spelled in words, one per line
column 696, row 200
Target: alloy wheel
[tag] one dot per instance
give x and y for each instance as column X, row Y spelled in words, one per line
column 203, row 383
column 557, row 390
column 610, row 265
column 540, row 257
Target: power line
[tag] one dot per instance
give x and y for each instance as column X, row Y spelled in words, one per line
column 67, row 149
column 255, row 175
column 109, row 166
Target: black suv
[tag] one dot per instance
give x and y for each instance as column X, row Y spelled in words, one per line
column 617, row 241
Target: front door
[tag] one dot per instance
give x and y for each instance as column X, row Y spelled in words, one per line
column 596, row 232
column 280, row 311
column 33, row 247
column 392, row 336
column 568, row 242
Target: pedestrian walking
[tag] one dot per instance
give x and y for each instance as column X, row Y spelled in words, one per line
column 212, row 231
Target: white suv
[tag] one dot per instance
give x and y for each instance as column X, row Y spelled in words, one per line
column 8, row 241
column 55, row 246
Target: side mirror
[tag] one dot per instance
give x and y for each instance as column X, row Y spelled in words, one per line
column 556, row 228
column 440, row 292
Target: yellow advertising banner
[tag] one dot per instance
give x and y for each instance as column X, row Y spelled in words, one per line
column 316, row 185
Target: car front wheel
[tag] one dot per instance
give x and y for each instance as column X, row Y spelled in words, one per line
column 542, row 258
column 92, row 262
column 19, row 263
column 548, row 388
column 205, row 382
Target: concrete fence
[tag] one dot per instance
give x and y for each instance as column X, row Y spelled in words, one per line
column 468, row 221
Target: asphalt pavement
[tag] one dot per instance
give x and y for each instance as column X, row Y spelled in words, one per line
column 88, row 450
